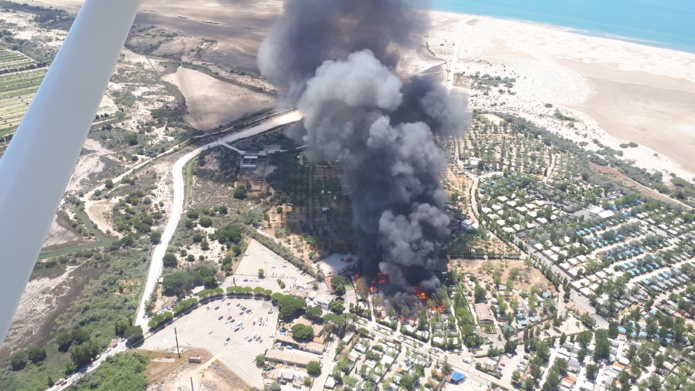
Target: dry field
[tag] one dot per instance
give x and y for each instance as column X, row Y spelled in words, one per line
column 208, row 99
column 485, row 270
column 167, row 372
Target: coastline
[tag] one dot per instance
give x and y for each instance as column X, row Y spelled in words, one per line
column 620, row 91
column 591, row 78
column 664, row 25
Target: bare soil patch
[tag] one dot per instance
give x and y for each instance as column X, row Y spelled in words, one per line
column 212, row 102
column 61, row 234
column 98, row 212
column 167, row 372
column 485, row 270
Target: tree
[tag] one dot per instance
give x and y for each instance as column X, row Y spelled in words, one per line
column 260, row 360
column 313, row 313
column 170, row 260
column 236, row 249
column 338, row 280
column 80, row 336
column 603, row 349
column 581, row 355
column 155, row 237
column 510, row 347
column 64, row 340
column 516, row 377
column 407, row 382
column 36, row 354
column 133, row 333
column 561, row 365
column 302, row 332
column 18, row 360
column 613, row 329
column 584, row 338
column 591, row 371
column 240, row 192
column 261, row 273
column 337, row 306
column 82, row 354
column 290, row 306
column 446, row 367
column 529, row 383
column 274, row 386
column 205, row 222
column 314, row 368
column 339, row 290
column 543, row 350
column 479, row 293
column 108, row 184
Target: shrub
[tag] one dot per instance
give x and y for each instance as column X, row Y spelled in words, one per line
column 170, row 260
column 240, row 192
column 205, row 222
column 18, row 360
column 36, row 354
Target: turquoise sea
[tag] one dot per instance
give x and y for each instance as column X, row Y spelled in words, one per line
column 663, row 23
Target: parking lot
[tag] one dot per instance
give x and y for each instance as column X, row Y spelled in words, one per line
column 209, row 327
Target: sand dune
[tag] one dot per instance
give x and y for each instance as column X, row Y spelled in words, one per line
column 621, row 91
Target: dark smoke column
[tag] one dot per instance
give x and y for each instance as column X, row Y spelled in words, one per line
column 337, row 61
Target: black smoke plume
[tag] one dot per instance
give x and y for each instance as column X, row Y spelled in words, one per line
column 339, row 61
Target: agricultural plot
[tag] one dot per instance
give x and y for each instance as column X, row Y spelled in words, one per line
column 13, row 61
column 19, row 81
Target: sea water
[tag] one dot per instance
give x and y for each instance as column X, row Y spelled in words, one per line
column 662, row 23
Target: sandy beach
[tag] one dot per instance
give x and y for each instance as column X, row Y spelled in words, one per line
column 620, row 91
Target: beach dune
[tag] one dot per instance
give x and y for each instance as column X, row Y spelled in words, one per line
column 622, row 92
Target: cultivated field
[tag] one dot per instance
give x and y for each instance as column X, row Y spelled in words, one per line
column 19, row 81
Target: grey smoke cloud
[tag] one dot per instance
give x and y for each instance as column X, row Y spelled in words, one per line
column 337, row 61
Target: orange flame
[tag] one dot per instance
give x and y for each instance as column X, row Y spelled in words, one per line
column 420, row 293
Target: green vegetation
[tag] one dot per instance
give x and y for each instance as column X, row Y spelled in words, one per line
column 290, row 306
column 16, row 92
column 121, row 372
column 178, row 283
column 302, row 333
column 314, row 368
column 260, row 360
column 563, row 117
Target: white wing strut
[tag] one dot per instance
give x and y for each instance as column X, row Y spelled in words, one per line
column 41, row 157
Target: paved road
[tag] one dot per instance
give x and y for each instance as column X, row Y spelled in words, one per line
column 156, row 264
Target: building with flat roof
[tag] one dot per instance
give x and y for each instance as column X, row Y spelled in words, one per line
column 482, row 311
column 284, row 356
